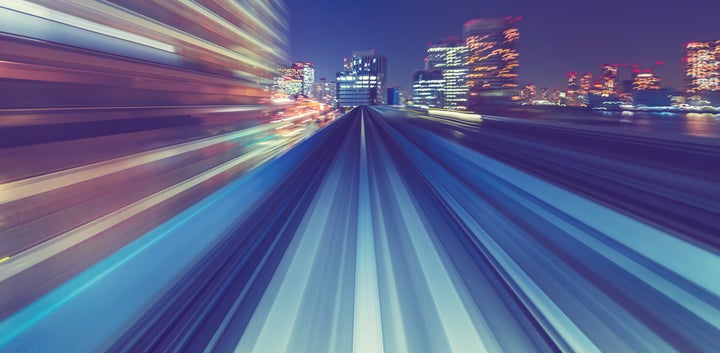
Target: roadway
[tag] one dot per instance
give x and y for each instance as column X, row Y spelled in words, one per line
column 393, row 231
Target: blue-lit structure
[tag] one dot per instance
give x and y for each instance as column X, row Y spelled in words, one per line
column 363, row 80
column 429, row 88
column 393, row 96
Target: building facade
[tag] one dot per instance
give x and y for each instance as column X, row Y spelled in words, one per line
column 362, row 81
column 573, row 95
column 325, row 92
column 290, row 81
column 701, row 69
column 450, row 56
column 429, row 88
column 393, row 96
column 308, row 77
column 609, row 79
column 645, row 81
column 528, row 93
column 296, row 79
column 493, row 61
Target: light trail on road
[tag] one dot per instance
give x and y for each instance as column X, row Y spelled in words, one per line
column 388, row 232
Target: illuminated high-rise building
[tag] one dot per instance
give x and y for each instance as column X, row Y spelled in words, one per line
column 528, row 93
column 227, row 53
column 307, row 70
column 586, row 82
column 290, row 82
column 429, row 88
column 555, row 97
column 645, row 81
column 573, row 90
column 450, row 57
column 363, row 80
column 545, row 94
column 572, row 82
column 393, row 96
column 493, row 61
column 609, row 79
column 702, row 67
column 325, row 92
column 646, row 90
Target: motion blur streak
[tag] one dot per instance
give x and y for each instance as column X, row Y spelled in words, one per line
column 379, row 233
column 61, row 53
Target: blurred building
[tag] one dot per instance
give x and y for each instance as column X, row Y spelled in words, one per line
column 363, row 80
column 429, row 88
column 555, row 97
column 609, row 79
column 645, row 81
column 493, row 61
column 701, row 68
column 308, row 77
column 647, row 90
column 144, row 53
column 297, row 79
column 545, row 94
column 291, row 81
column 325, row 92
column 586, row 81
column 450, row 56
column 403, row 96
column 393, row 96
column 572, row 96
column 528, row 93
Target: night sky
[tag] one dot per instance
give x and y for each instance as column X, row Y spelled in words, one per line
column 556, row 36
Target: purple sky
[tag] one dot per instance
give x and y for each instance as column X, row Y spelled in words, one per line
column 557, row 36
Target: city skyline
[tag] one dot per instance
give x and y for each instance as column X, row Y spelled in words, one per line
column 580, row 39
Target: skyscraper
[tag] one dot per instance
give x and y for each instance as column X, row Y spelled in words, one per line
column 308, row 77
column 291, row 81
column 393, row 96
column 573, row 90
column 646, row 81
column 493, row 61
column 528, row 93
column 586, row 82
column 429, row 88
column 702, row 69
column 325, row 92
column 545, row 94
column 363, row 80
column 450, row 57
column 609, row 79
column 297, row 79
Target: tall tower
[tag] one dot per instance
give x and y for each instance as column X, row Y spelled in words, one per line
column 609, row 79
column 646, row 81
column 493, row 61
column 291, row 81
column 586, row 82
column 299, row 78
column 450, row 57
column 701, row 68
column 428, row 88
column 308, row 78
column 573, row 89
column 363, row 80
